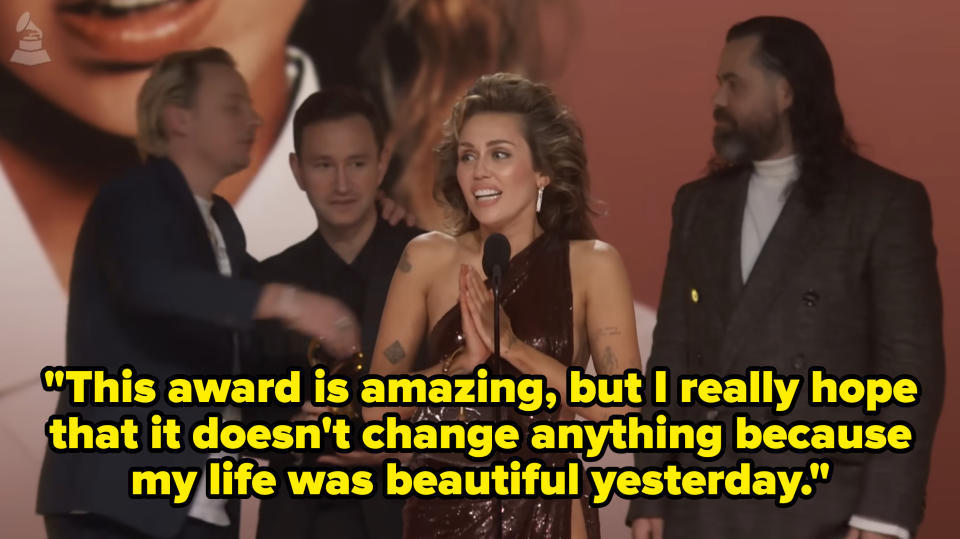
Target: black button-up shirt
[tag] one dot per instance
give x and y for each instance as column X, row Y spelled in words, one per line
column 362, row 285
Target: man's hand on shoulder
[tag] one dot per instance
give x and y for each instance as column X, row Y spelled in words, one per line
column 392, row 212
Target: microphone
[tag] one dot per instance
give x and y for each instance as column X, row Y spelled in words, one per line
column 496, row 260
column 496, row 257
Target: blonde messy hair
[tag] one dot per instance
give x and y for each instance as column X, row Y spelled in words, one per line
column 173, row 81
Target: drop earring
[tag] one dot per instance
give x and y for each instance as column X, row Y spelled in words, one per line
column 539, row 199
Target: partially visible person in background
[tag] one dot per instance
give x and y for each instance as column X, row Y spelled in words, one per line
column 339, row 159
column 796, row 252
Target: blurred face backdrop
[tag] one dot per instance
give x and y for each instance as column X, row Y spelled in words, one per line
column 638, row 76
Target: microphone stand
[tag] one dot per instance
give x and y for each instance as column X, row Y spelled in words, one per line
column 496, row 278
column 496, row 316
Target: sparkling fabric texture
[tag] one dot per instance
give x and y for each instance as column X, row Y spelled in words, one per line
column 538, row 298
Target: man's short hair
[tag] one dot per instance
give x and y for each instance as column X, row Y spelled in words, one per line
column 173, row 81
column 337, row 103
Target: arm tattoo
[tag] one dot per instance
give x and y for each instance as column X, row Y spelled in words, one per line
column 607, row 362
column 395, row 353
column 404, row 265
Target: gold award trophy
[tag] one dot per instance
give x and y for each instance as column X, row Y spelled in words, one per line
column 350, row 368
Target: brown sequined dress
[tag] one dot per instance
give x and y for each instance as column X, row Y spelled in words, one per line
column 538, row 298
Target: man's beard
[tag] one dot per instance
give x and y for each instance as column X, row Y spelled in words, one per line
column 741, row 143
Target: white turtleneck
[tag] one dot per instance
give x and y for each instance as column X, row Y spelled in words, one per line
column 766, row 194
column 768, row 190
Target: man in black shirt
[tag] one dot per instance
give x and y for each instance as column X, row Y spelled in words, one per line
column 339, row 161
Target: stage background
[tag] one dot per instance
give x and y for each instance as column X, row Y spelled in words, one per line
column 639, row 76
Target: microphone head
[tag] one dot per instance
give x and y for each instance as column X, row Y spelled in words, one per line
column 496, row 252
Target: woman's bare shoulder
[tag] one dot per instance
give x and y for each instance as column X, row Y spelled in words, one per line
column 434, row 241
column 596, row 263
column 431, row 250
column 589, row 253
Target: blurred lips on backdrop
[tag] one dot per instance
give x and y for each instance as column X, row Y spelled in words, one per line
column 133, row 31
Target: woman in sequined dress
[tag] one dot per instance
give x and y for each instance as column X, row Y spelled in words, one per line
column 512, row 161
